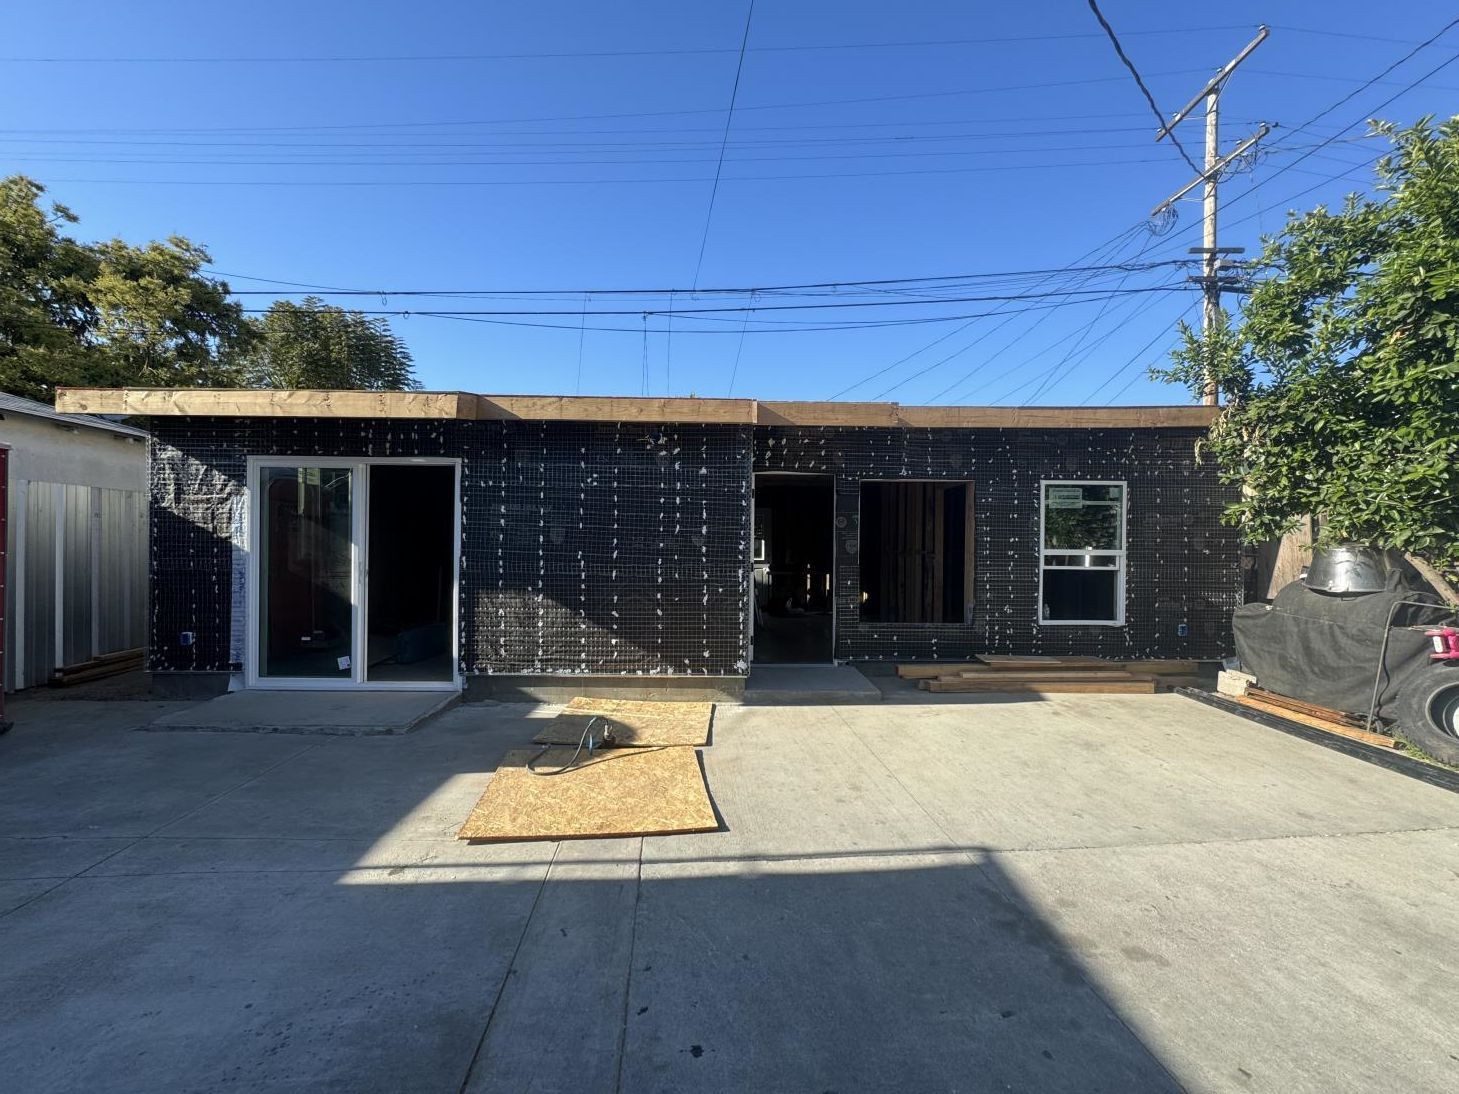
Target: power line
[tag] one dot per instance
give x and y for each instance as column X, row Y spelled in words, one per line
column 311, row 183
column 1357, row 91
column 691, row 313
column 1116, row 245
column 986, row 361
column 1118, row 239
column 836, row 286
column 729, row 118
column 1139, row 353
column 560, row 55
column 906, row 97
column 1139, row 81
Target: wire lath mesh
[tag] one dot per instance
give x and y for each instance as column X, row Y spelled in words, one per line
column 1182, row 563
column 625, row 548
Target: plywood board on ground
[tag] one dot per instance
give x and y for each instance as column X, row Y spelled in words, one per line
column 632, row 731
column 964, row 686
column 617, row 792
column 638, row 721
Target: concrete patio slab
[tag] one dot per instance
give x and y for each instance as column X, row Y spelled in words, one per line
column 790, row 685
column 1239, row 962
column 1077, row 893
column 343, row 713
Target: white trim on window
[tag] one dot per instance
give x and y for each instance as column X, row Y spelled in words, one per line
column 1118, row 569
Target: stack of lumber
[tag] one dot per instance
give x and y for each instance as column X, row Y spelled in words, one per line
column 1310, row 714
column 97, row 668
column 994, row 674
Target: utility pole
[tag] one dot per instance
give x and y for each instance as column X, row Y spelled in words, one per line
column 1210, row 251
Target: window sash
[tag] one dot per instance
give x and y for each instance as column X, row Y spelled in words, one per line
column 1099, row 560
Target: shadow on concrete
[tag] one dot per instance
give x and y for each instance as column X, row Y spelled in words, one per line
column 265, row 913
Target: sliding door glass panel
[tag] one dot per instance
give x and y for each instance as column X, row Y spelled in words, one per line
column 306, row 610
column 411, row 582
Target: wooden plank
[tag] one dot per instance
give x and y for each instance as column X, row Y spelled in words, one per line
column 1294, row 551
column 939, row 550
column 594, row 408
column 969, row 555
column 1057, row 417
column 616, row 792
column 229, row 402
column 1338, row 728
column 1163, row 668
column 1034, row 675
column 927, row 671
column 965, row 686
column 1002, row 662
column 239, row 403
column 782, row 412
column 1342, row 717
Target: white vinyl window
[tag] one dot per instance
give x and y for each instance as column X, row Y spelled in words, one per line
column 1082, row 553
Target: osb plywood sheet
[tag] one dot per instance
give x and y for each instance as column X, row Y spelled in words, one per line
column 635, row 722
column 618, row 792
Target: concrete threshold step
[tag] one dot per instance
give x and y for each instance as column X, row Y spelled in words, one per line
column 795, row 685
column 330, row 713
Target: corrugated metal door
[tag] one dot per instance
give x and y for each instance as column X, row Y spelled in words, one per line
column 38, row 582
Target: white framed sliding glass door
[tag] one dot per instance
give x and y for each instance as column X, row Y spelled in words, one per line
column 352, row 573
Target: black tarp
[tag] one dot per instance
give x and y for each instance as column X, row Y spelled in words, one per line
column 1323, row 648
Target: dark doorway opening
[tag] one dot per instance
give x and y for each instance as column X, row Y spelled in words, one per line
column 792, row 560
column 411, row 572
column 916, row 552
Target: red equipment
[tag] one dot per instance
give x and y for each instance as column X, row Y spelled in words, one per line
column 1446, row 644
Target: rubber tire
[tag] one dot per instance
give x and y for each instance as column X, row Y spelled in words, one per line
column 1428, row 711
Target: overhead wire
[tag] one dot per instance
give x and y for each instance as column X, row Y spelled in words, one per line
column 585, row 54
column 1114, row 242
column 729, row 118
column 1140, row 82
column 1134, row 360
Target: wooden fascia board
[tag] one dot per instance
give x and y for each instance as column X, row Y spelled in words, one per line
column 596, row 408
column 780, row 412
column 1057, row 417
column 230, row 403
column 214, row 402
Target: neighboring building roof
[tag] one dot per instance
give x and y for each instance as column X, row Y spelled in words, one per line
column 237, row 402
column 15, row 404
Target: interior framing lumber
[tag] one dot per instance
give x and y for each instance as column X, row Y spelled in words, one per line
column 466, row 406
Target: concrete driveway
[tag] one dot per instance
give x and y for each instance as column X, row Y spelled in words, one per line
column 1075, row 894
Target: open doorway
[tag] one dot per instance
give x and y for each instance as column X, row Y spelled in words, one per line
column 793, row 555
column 411, row 572
column 916, row 551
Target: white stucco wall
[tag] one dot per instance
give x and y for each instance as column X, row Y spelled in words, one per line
column 44, row 451
column 80, row 621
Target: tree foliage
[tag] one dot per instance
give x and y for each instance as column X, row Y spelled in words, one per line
column 105, row 313
column 312, row 344
column 1341, row 375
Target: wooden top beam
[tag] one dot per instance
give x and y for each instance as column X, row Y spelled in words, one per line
column 245, row 403
column 232, row 403
column 595, row 408
column 1057, row 417
column 839, row 414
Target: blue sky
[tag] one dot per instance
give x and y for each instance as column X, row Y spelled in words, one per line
column 568, row 147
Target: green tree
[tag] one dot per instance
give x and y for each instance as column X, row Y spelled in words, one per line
column 1341, row 375
column 103, row 314
column 312, row 344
